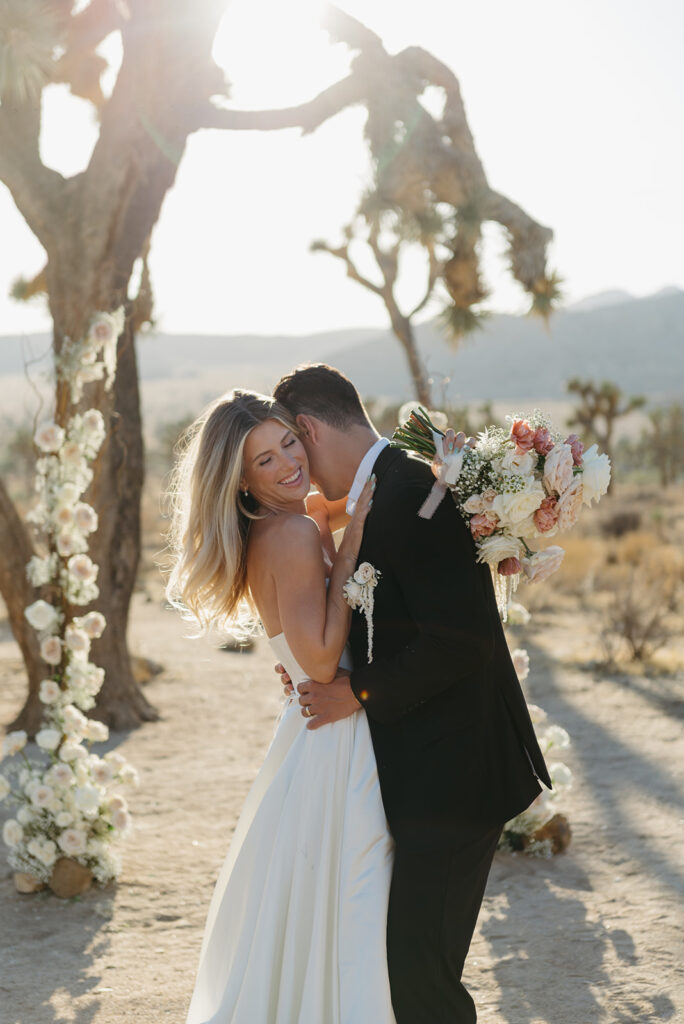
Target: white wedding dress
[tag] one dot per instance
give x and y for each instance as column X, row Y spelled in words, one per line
column 296, row 928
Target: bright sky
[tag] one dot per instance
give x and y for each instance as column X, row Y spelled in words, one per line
column 576, row 113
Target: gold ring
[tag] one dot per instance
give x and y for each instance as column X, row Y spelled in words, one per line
column 307, row 711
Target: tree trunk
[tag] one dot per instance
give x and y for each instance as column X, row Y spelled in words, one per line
column 116, row 493
column 403, row 329
column 17, row 592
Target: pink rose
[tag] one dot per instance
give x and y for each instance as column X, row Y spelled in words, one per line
column 482, row 524
column 542, row 442
column 558, row 469
column 523, row 435
column 509, row 566
column 546, row 515
column 577, row 448
column 570, row 504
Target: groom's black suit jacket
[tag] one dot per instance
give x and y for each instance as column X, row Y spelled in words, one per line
column 449, row 722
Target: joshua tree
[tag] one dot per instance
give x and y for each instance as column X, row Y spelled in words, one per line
column 599, row 407
column 96, row 225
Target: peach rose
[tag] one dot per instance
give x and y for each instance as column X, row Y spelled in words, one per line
column 542, row 441
column 546, row 515
column 523, row 435
column 488, row 495
column 558, row 469
column 509, row 566
column 570, row 504
column 482, row 524
column 577, row 448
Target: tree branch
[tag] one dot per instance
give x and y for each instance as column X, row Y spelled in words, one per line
column 434, row 274
column 37, row 190
column 342, row 253
column 307, row 116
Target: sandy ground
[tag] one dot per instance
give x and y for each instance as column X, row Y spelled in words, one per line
column 593, row 935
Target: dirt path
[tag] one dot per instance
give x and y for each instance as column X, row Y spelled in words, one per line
column 591, row 936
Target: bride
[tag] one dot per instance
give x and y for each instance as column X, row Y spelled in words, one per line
column 296, row 927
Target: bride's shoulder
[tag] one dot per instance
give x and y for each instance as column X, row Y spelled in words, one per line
column 289, row 533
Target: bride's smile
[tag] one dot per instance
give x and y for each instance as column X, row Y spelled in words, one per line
column 276, row 469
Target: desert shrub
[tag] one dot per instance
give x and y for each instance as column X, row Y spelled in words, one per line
column 637, row 621
column 621, row 521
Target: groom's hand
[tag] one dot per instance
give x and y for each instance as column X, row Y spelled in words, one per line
column 327, row 702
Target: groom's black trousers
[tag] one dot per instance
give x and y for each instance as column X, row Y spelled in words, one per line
column 435, row 899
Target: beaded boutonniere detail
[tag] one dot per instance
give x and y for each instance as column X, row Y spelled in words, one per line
column 358, row 593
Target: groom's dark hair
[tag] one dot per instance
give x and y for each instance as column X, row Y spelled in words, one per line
column 316, row 389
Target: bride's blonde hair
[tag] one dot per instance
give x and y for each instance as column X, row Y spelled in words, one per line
column 210, row 517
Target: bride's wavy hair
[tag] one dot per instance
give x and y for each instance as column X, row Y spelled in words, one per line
column 210, row 517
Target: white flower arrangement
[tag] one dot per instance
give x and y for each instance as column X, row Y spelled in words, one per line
column 66, row 806
column 358, row 593
column 519, row 832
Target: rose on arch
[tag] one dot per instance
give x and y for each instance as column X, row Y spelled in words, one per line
column 42, row 615
column 49, row 436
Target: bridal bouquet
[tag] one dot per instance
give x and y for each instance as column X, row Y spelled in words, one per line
column 512, row 486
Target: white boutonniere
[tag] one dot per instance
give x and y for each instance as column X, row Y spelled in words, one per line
column 358, row 593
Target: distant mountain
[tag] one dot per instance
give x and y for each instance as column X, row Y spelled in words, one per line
column 636, row 342
column 607, row 298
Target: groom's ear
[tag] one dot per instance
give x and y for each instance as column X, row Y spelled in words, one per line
column 308, row 426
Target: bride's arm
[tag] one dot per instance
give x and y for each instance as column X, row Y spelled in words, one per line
column 315, row 622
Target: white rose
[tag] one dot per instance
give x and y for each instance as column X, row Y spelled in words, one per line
column 48, row 739
column 524, row 463
column 24, row 815
column 82, row 568
column 518, row 614
column 116, row 803
column 41, row 615
column 12, row 832
column 63, row 819
column 537, row 714
column 93, row 623
column 95, row 679
column 121, row 819
column 71, row 751
column 556, row 736
column 561, row 775
column 68, row 493
column 129, row 775
column 115, row 758
column 542, row 564
column 75, row 722
column 474, row 504
column 595, row 474
column 13, row 742
column 86, row 517
column 60, row 774
column 72, row 453
column 69, row 543
column 95, row 731
column 51, row 650
column 364, row 573
column 514, row 506
column 521, row 663
column 93, row 422
column 49, row 691
column 42, row 795
column 64, row 516
column 104, row 329
column 102, row 772
column 43, row 850
column 87, row 799
column 77, row 640
column 49, row 436
column 5, row 787
column 72, row 841
column 353, row 592
column 497, row 547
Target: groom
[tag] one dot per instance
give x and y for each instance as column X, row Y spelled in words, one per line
column 455, row 747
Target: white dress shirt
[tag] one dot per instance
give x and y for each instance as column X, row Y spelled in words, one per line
column 364, row 471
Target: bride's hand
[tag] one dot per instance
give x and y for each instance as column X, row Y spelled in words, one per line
column 362, row 507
